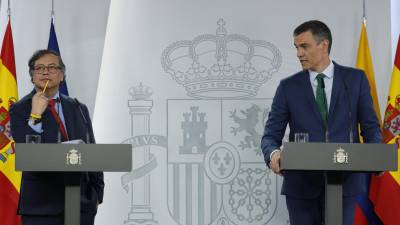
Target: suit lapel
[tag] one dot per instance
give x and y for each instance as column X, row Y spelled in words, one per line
column 310, row 95
column 337, row 88
column 68, row 111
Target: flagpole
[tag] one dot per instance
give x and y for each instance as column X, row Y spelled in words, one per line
column 8, row 9
column 53, row 45
column 52, row 10
column 364, row 17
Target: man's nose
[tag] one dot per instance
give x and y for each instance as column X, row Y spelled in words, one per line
column 45, row 70
column 300, row 53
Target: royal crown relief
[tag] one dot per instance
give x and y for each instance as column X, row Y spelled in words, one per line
column 221, row 65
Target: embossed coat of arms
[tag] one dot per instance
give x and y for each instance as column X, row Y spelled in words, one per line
column 216, row 174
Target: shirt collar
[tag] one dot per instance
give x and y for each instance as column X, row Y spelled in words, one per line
column 328, row 72
column 56, row 96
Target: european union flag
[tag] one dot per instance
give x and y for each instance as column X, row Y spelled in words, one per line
column 53, row 45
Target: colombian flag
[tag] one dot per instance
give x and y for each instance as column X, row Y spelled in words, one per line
column 364, row 213
column 10, row 180
column 385, row 189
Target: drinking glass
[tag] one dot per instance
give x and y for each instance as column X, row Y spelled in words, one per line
column 301, row 137
column 32, row 139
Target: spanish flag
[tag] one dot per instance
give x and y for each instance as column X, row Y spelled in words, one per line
column 385, row 189
column 10, row 179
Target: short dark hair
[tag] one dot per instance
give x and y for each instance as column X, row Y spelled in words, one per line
column 39, row 54
column 319, row 30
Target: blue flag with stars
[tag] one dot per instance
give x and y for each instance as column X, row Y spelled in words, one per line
column 53, row 45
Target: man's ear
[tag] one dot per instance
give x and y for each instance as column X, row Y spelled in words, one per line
column 326, row 44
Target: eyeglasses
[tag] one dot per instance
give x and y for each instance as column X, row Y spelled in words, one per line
column 50, row 68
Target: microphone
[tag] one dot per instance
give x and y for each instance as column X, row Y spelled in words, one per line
column 79, row 105
column 350, row 114
column 85, row 174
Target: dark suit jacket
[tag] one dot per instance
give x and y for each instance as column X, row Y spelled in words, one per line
column 294, row 104
column 42, row 193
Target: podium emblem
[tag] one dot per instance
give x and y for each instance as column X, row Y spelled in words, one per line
column 73, row 157
column 340, row 156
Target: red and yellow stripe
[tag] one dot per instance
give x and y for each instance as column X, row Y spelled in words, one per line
column 10, row 179
column 385, row 190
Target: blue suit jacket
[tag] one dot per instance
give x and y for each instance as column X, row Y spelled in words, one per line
column 294, row 105
column 42, row 193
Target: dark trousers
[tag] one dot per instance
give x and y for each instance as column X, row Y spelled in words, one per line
column 312, row 211
column 87, row 218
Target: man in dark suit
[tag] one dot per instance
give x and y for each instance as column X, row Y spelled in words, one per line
column 55, row 117
column 328, row 102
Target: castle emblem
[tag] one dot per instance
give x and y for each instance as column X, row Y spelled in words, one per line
column 194, row 132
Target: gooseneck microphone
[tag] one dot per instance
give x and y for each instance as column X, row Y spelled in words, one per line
column 79, row 105
column 86, row 174
column 350, row 114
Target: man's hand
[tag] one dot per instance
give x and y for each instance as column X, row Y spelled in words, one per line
column 275, row 163
column 39, row 103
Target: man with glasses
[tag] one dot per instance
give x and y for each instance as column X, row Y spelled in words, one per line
column 56, row 118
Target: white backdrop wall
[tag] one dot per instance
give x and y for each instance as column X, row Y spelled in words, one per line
column 395, row 24
column 80, row 28
column 175, row 75
column 138, row 32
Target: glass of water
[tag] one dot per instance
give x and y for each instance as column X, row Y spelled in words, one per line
column 32, row 139
column 301, row 137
